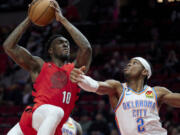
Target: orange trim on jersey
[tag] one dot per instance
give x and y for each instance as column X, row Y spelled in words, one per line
column 120, row 102
column 117, row 122
column 137, row 92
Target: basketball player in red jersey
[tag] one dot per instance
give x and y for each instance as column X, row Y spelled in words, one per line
column 136, row 105
column 54, row 94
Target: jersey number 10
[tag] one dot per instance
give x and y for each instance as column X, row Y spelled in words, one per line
column 66, row 97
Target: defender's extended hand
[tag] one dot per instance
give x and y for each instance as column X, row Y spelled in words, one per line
column 76, row 74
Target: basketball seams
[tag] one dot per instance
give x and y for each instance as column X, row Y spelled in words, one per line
column 43, row 13
column 32, row 8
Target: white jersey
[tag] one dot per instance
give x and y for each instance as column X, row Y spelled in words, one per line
column 137, row 113
column 69, row 128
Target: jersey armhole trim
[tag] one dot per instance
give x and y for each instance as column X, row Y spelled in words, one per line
column 120, row 100
column 117, row 124
column 155, row 97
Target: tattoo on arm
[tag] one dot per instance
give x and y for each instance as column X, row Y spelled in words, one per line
column 14, row 37
column 19, row 54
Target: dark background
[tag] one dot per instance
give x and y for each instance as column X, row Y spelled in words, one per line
column 117, row 30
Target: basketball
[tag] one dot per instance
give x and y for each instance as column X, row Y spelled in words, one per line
column 41, row 13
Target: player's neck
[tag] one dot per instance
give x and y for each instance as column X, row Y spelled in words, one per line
column 136, row 85
column 58, row 62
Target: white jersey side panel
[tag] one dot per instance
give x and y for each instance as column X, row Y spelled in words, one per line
column 137, row 113
column 69, row 128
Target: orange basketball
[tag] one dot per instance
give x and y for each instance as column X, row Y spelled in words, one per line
column 41, row 13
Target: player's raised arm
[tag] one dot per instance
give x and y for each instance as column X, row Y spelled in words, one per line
column 19, row 54
column 166, row 96
column 88, row 84
column 84, row 54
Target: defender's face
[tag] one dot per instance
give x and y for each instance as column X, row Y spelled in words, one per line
column 61, row 47
column 133, row 69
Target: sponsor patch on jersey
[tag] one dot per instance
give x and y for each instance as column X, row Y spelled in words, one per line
column 128, row 93
column 149, row 94
column 70, row 125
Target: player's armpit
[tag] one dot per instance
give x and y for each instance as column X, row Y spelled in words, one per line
column 166, row 96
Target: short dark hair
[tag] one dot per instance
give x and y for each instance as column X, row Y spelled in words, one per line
column 48, row 44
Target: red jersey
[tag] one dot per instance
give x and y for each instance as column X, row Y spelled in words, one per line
column 53, row 86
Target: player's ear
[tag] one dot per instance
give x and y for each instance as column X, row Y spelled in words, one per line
column 145, row 72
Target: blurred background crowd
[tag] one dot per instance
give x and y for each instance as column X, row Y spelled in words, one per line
column 117, row 30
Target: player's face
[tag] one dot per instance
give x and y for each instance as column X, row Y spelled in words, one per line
column 133, row 69
column 61, row 47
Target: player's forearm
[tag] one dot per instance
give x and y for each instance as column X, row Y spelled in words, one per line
column 14, row 37
column 77, row 36
column 89, row 84
column 173, row 100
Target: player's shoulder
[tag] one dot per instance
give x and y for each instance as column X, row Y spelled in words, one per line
column 115, row 84
column 78, row 126
column 161, row 91
column 39, row 63
column 68, row 66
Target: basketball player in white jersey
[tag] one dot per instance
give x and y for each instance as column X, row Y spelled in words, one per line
column 135, row 104
column 71, row 127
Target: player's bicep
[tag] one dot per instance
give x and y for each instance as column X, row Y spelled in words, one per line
column 108, row 87
column 23, row 58
column 83, row 58
column 168, row 97
column 172, row 99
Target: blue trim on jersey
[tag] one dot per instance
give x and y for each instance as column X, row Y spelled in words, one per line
column 156, row 96
column 138, row 92
column 122, row 95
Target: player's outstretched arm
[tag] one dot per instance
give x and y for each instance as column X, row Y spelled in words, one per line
column 166, row 96
column 88, row 84
column 19, row 54
column 84, row 54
